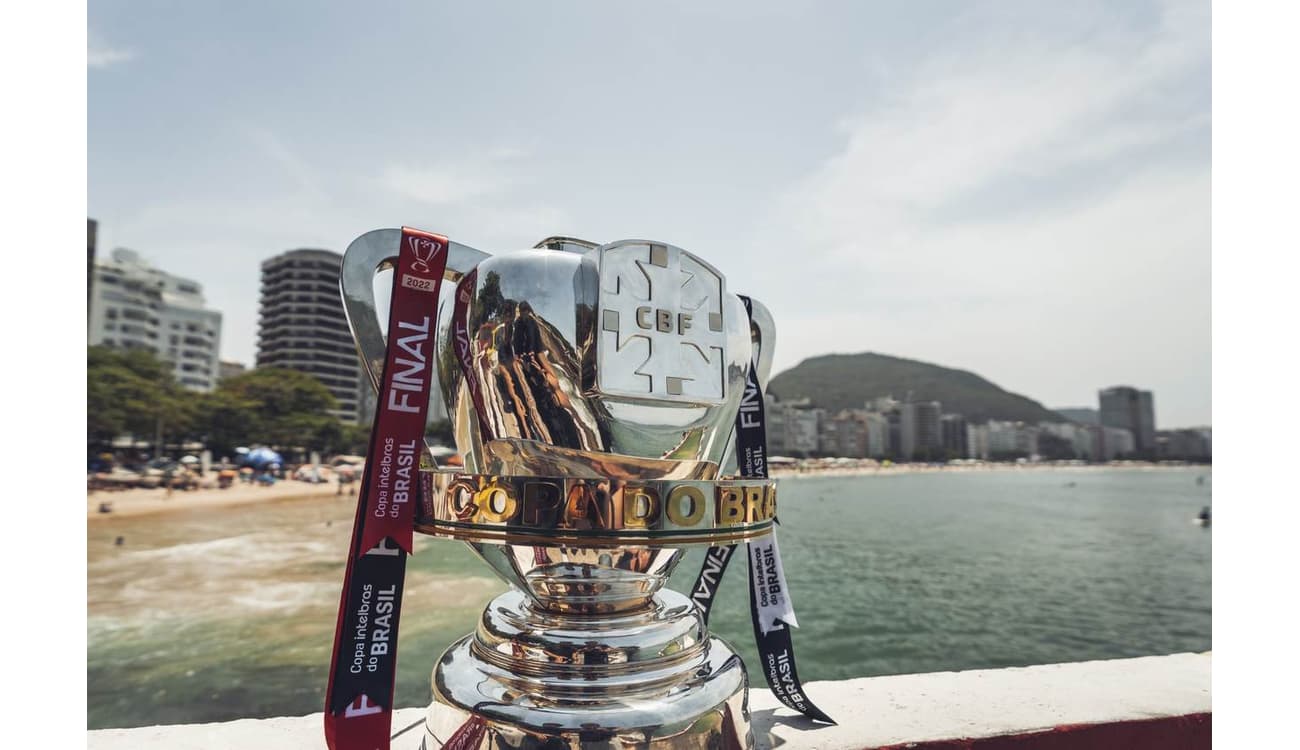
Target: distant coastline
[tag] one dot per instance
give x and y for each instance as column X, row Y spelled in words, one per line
column 868, row 468
column 140, row 502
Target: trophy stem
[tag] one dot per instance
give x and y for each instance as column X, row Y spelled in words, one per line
column 534, row 678
column 581, row 579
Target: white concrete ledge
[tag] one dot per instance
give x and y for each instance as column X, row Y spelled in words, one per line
column 1162, row 701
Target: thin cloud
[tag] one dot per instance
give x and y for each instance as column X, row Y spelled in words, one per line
column 100, row 54
column 279, row 152
column 492, row 174
column 1046, row 197
column 972, row 121
column 443, row 185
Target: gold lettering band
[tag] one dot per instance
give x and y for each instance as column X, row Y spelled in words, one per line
column 570, row 510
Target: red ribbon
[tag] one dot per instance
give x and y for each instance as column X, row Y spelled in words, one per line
column 386, row 507
column 394, row 463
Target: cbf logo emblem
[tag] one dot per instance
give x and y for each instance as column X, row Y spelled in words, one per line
column 661, row 332
column 424, row 249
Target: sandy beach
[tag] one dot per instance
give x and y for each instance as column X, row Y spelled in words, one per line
column 139, row 502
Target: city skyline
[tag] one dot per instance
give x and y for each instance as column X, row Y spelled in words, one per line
column 924, row 430
column 1026, row 200
column 1066, row 411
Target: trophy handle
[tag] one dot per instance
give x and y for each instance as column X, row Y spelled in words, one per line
column 365, row 302
column 567, row 245
column 762, row 333
column 762, row 336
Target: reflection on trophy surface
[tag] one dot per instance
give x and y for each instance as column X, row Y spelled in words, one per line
column 593, row 392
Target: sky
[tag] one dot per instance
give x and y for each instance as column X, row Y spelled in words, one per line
column 1019, row 189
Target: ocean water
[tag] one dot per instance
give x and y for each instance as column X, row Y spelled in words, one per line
column 211, row 615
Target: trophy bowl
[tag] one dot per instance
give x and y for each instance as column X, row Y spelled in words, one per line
column 593, row 392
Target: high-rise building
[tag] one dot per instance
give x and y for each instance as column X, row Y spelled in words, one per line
column 855, row 433
column 834, row 433
column 302, row 325
column 803, row 428
column 1001, row 438
column 230, row 369
column 977, row 441
column 1130, row 409
column 1078, row 439
column 1090, row 442
column 137, row 306
column 793, row 427
column 1011, row 440
column 920, row 437
column 893, row 433
column 92, row 232
column 1188, row 444
column 952, row 429
column 1116, row 442
column 877, row 435
column 1080, row 414
column 774, row 417
column 883, row 404
column 847, row 434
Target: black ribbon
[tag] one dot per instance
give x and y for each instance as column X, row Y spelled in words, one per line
column 367, row 660
column 706, row 583
column 775, row 648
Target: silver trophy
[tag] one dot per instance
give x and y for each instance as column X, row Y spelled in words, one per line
column 593, row 391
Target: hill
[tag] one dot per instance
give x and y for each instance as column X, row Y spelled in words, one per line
column 847, row 381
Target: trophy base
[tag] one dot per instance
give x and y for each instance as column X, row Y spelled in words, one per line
column 691, row 695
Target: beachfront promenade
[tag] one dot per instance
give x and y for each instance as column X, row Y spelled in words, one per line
column 134, row 502
column 137, row 502
column 1149, row 703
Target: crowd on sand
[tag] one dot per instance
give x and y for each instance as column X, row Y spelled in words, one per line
column 117, row 487
column 121, row 486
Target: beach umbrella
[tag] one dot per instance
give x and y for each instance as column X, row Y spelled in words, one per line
column 259, row 457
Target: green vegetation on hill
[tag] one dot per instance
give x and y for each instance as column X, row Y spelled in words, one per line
column 847, row 381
